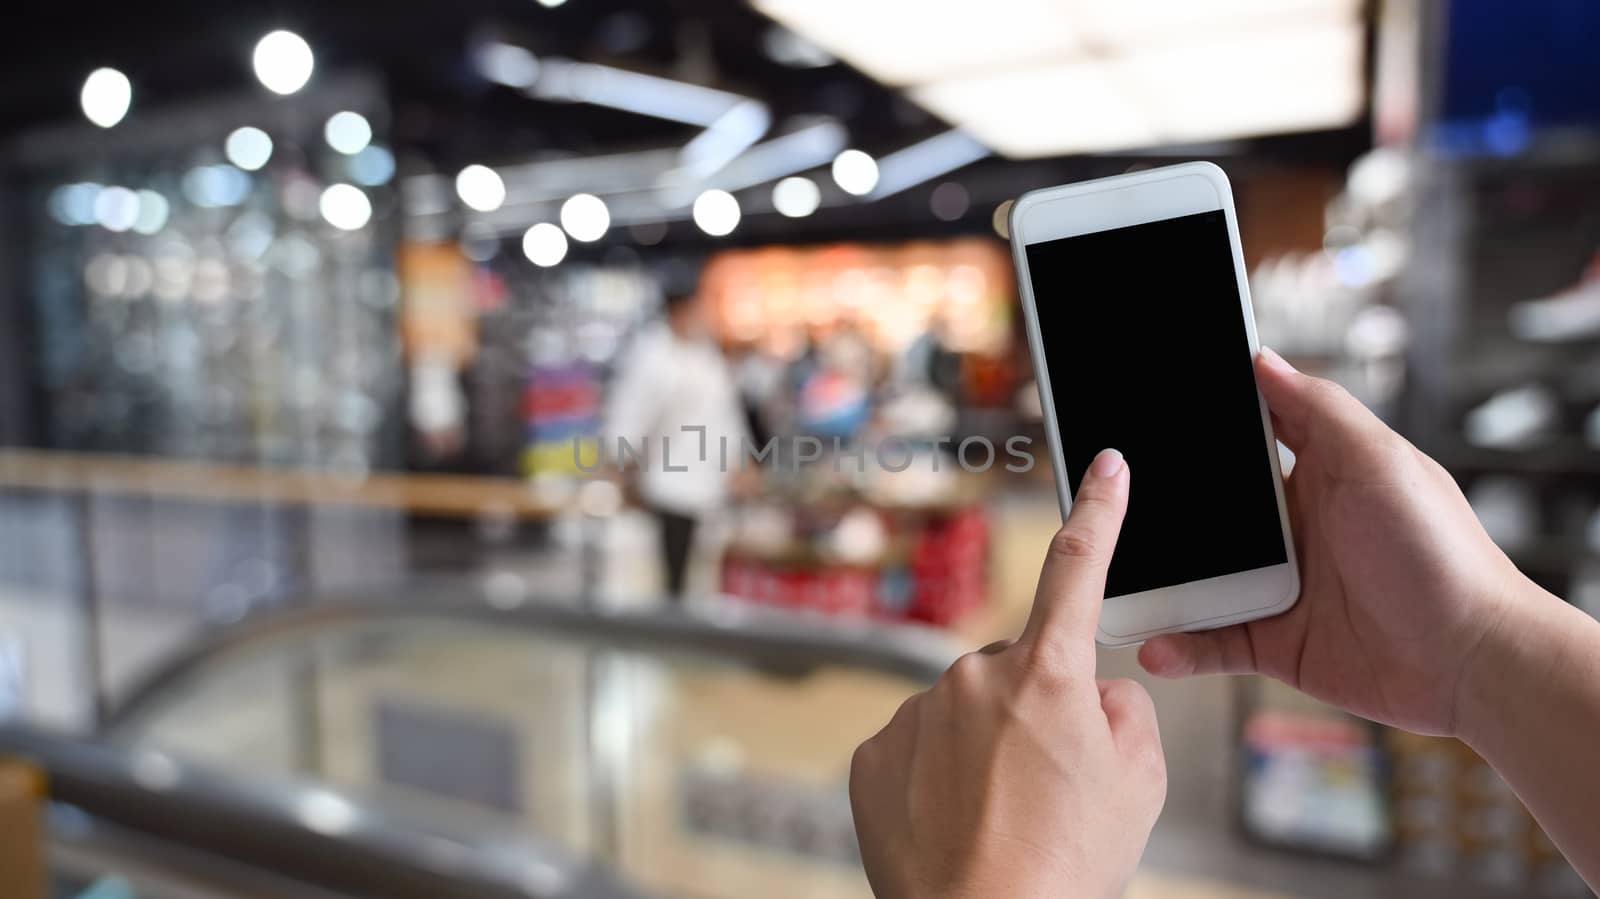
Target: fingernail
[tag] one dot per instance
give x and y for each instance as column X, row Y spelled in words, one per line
column 1107, row 464
column 1272, row 359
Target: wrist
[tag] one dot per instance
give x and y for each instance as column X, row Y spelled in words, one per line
column 1518, row 648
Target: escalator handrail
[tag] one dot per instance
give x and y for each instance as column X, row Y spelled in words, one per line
column 758, row 637
column 296, row 830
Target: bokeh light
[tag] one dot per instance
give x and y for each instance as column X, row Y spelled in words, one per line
column 1001, row 220
column 716, row 212
column 544, row 244
column 73, row 204
column 106, row 96
column 796, row 197
column 116, row 208
column 855, row 172
column 345, row 207
column 153, row 212
column 480, row 187
column 248, row 148
column 585, row 217
column 216, row 186
column 348, row 132
column 950, row 201
column 373, row 166
column 283, row 62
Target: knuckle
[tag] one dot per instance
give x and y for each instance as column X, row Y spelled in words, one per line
column 966, row 670
column 1074, row 544
column 1044, row 668
column 906, row 715
column 1130, row 692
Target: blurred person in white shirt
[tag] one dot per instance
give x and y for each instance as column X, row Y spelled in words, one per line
column 671, row 383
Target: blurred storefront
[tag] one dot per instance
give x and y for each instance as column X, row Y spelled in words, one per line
column 312, row 328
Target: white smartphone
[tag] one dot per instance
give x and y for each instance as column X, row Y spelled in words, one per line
column 1138, row 316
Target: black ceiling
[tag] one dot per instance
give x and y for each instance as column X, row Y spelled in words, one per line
column 181, row 49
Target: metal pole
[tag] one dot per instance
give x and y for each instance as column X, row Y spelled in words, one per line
column 89, row 610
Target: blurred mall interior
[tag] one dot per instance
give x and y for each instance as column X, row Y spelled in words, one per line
column 316, row 315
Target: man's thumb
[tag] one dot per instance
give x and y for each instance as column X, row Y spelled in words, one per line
column 1305, row 408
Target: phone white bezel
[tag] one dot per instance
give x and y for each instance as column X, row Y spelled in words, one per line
column 1116, row 202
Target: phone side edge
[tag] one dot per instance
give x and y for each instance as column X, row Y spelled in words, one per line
column 1041, row 372
column 1224, row 187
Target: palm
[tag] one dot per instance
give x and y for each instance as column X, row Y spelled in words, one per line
column 1376, row 630
column 1399, row 582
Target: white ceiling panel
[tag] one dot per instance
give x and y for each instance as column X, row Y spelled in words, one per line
column 1045, row 111
column 1051, row 77
column 907, row 42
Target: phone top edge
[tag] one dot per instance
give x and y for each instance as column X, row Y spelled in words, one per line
column 1030, row 203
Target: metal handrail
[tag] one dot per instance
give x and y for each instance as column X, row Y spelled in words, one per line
column 300, row 831
column 265, row 822
column 756, row 637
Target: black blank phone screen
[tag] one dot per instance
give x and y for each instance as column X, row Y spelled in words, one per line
column 1147, row 352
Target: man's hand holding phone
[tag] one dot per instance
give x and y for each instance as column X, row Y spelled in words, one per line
column 1019, row 774
column 1410, row 615
column 1400, row 585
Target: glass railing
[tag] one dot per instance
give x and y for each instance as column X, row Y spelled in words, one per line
column 692, row 756
column 126, row 822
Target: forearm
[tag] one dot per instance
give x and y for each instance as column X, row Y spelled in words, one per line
column 1531, row 708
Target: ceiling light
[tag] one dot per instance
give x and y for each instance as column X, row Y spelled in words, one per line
column 544, row 244
column 926, row 160
column 855, row 172
column 1176, row 22
column 1216, row 91
column 716, row 212
column 348, row 132
column 283, row 62
column 734, row 132
column 564, row 80
column 1071, row 108
column 904, row 42
column 106, row 96
column 1051, row 77
column 551, row 4
column 248, row 148
column 480, row 187
column 796, row 197
column 585, row 217
column 345, row 207
column 804, row 148
column 506, row 64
